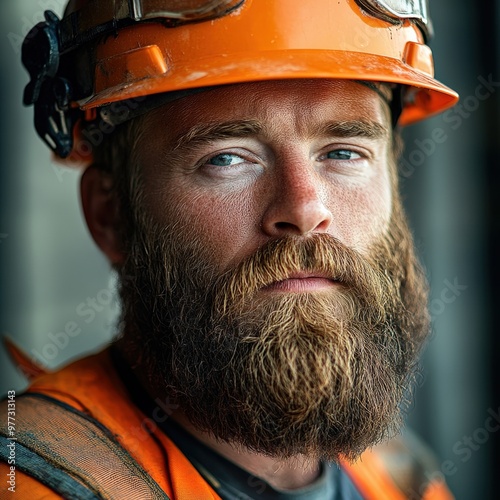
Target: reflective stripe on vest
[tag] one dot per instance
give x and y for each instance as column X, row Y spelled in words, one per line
column 73, row 454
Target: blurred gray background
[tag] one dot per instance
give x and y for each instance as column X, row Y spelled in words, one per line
column 58, row 296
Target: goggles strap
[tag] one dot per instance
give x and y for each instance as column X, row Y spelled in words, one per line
column 122, row 111
column 395, row 102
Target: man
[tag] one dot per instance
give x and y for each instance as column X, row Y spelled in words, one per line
column 245, row 191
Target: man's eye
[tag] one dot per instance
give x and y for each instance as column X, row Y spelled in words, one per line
column 225, row 160
column 343, row 154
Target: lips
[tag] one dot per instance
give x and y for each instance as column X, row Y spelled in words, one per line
column 302, row 282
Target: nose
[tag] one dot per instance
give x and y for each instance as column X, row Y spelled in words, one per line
column 298, row 204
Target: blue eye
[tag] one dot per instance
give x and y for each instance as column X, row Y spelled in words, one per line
column 225, row 160
column 342, row 154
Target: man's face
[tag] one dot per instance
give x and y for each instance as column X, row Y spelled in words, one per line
column 248, row 163
column 270, row 284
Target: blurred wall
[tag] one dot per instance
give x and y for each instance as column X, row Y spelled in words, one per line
column 59, row 300
column 450, row 179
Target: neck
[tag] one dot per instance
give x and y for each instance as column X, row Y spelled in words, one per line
column 288, row 474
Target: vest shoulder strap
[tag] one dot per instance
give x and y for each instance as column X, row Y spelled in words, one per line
column 72, row 453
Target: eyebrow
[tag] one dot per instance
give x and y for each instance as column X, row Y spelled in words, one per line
column 353, row 128
column 205, row 133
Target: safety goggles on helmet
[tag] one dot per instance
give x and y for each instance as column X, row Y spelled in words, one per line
column 94, row 20
column 396, row 10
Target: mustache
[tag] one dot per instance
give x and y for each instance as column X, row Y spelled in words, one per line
column 319, row 255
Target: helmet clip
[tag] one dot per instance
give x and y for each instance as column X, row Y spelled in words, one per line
column 50, row 94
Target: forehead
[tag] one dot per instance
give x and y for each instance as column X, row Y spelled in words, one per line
column 287, row 105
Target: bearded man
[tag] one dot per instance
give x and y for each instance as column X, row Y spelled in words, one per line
column 245, row 192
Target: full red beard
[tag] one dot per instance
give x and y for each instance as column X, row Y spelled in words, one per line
column 322, row 374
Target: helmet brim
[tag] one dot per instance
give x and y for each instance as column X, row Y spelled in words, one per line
column 427, row 97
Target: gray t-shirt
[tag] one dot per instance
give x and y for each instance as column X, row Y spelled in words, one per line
column 231, row 482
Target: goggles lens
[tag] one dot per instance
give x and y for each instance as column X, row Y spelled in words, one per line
column 186, row 10
column 401, row 9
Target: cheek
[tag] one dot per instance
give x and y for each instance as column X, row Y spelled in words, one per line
column 226, row 224
column 360, row 215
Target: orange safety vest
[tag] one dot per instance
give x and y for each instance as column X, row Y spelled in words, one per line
column 120, row 453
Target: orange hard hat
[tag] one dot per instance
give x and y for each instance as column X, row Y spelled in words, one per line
column 116, row 50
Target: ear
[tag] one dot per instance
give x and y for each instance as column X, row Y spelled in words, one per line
column 102, row 212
